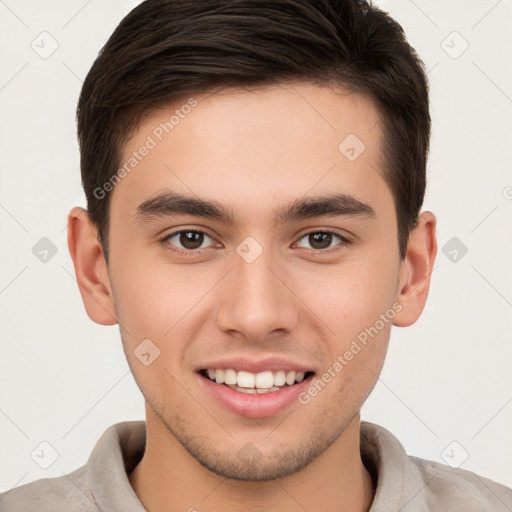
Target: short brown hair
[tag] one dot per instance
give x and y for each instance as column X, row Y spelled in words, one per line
column 164, row 50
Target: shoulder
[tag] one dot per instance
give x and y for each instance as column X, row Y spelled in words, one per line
column 412, row 484
column 59, row 494
column 448, row 488
column 100, row 484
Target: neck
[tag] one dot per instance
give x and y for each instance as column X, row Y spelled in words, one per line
column 169, row 478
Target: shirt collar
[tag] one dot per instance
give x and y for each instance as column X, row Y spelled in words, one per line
column 398, row 481
column 115, row 455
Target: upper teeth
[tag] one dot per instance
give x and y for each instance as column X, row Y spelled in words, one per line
column 262, row 380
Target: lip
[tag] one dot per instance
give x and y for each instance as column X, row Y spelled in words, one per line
column 262, row 405
column 244, row 363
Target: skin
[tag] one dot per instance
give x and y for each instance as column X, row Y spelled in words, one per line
column 262, row 149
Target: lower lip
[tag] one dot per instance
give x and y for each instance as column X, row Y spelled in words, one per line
column 255, row 405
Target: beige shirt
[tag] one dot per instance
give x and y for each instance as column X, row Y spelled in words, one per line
column 404, row 483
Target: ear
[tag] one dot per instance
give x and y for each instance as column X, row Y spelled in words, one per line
column 415, row 271
column 90, row 268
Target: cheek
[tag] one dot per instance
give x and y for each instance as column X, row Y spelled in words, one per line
column 351, row 296
column 162, row 303
column 151, row 298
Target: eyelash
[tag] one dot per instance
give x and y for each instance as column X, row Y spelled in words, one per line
column 193, row 252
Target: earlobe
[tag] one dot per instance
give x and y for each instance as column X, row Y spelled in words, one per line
column 90, row 268
column 415, row 271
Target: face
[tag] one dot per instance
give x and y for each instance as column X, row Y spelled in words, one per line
column 239, row 285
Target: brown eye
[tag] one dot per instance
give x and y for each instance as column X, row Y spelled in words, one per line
column 321, row 240
column 188, row 239
column 191, row 239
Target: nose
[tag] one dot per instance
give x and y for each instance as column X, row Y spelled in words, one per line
column 256, row 299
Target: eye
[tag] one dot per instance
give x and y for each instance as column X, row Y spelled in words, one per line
column 187, row 240
column 322, row 240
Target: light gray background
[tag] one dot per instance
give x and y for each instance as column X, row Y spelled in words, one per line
column 64, row 379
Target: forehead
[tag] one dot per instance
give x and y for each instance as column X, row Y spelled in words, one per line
column 252, row 148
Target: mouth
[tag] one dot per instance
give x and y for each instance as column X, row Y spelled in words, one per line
column 255, row 383
column 254, row 395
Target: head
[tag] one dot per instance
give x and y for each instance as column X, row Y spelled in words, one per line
column 239, row 122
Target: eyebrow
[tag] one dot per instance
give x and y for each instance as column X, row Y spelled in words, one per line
column 171, row 204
